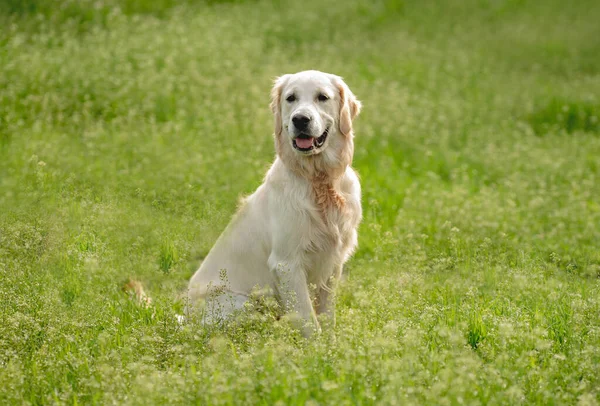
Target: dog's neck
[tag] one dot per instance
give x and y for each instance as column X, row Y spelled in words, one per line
column 326, row 194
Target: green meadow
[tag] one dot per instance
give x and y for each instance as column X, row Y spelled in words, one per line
column 130, row 129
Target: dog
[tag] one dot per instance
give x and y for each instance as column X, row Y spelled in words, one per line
column 300, row 226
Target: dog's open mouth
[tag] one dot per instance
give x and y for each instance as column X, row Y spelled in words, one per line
column 305, row 142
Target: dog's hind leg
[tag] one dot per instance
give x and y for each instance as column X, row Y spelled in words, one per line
column 220, row 307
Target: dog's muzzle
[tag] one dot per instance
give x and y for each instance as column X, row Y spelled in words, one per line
column 307, row 143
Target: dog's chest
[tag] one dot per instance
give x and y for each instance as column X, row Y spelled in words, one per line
column 329, row 236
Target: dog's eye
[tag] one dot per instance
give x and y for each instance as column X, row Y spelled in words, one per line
column 322, row 97
column 291, row 98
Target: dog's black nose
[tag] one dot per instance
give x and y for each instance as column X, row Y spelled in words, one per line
column 300, row 122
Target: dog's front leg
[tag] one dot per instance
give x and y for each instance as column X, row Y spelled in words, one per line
column 293, row 292
column 326, row 296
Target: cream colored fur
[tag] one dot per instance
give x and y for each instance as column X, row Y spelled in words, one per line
column 299, row 227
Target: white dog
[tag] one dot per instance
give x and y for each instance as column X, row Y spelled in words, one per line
column 299, row 227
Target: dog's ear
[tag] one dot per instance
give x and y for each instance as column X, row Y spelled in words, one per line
column 276, row 101
column 349, row 106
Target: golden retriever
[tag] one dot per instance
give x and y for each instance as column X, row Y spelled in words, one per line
column 300, row 226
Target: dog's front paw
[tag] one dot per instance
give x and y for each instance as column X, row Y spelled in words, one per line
column 309, row 329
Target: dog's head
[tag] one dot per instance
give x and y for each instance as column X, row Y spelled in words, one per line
column 313, row 117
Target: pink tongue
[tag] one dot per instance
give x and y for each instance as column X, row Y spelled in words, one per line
column 304, row 142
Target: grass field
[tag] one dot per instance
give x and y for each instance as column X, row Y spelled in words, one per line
column 129, row 129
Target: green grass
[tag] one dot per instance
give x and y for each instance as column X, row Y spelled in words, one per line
column 129, row 129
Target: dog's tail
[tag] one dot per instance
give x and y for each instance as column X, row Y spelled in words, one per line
column 135, row 291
